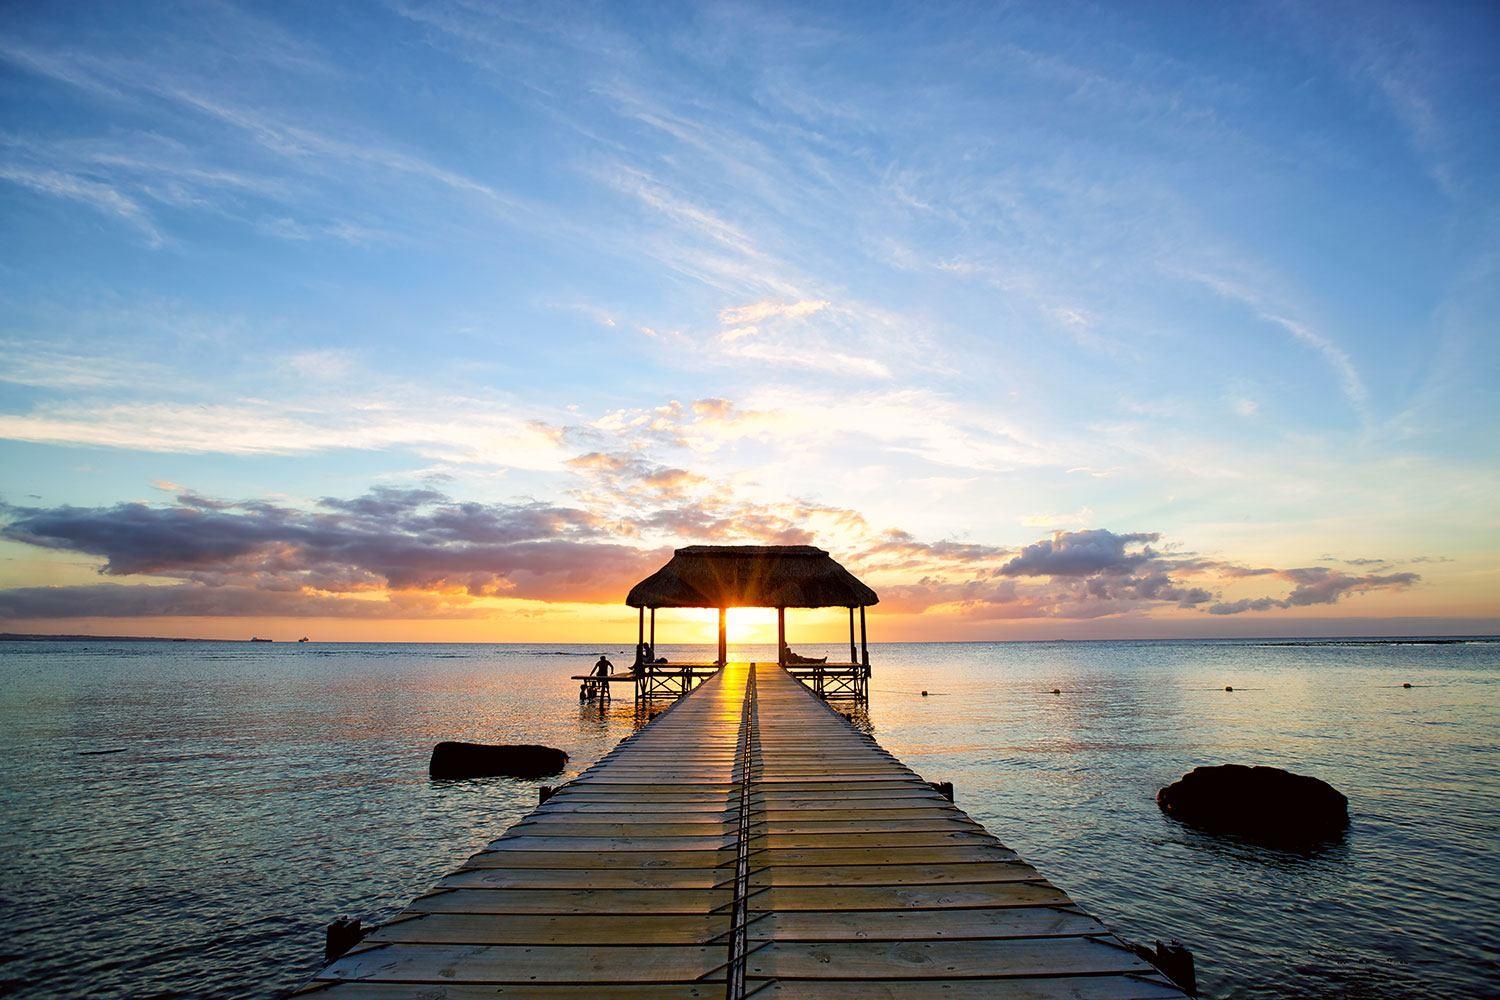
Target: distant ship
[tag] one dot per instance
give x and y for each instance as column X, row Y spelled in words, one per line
column 303, row 639
column 256, row 638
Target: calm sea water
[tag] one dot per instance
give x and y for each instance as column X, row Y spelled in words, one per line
column 262, row 791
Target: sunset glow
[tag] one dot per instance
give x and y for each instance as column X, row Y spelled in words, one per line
column 1143, row 323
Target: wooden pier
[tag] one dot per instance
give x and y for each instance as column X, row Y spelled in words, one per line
column 747, row 842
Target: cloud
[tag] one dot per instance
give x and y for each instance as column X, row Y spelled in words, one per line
column 113, row 600
column 1334, row 356
column 897, row 549
column 449, row 429
column 1079, row 518
column 416, row 552
column 1317, row 585
column 758, row 312
column 1083, row 553
column 387, row 540
column 30, row 364
column 629, row 475
column 833, row 362
column 96, row 195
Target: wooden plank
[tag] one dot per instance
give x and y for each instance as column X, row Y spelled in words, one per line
column 595, row 861
column 532, row 842
column 851, row 875
column 872, row 839
column 582, row 829
column 865, row 897
column 1065, row 988
column 599, row 901
column 911, row 925
column 932, row 823
column 580, row 878
column 941, row 959
column 435, row 963
column 513, row 991
column 530, row 928
column 580, row 806
column 883, row 856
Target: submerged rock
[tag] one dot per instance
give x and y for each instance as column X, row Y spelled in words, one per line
column 477, row 760
column 1262, row 803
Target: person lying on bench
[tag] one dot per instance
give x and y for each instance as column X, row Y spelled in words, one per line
column 792, row 657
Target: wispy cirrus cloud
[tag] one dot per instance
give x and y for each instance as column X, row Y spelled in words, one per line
column 1334, row 356
column 97, row 195
column 266, row 427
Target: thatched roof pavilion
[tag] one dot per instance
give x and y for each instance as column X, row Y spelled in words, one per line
column 759, row 576
column 751, row 576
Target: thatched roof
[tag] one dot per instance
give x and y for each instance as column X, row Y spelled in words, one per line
column 751, row 576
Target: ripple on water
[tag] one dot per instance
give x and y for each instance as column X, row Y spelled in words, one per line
column 268, row 789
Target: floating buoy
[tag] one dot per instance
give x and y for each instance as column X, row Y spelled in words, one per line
column 924, row 693
column 1228, row 688
column 1406, row 685
column 1057, row 690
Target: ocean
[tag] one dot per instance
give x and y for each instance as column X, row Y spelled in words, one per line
column 186, row 817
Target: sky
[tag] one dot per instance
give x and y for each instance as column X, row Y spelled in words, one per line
column 426, row 321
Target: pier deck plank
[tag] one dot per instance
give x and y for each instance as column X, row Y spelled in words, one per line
column 850, row 876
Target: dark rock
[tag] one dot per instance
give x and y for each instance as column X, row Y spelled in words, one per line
column 476, row 760
column 1262, row 803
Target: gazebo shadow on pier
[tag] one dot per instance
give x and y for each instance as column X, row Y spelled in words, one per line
column 746, row 576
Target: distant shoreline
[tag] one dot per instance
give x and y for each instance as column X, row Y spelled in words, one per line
column 81, row 637
column 1332, row 640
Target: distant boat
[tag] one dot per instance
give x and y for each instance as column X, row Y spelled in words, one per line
column 256, row 638
column 303, row 639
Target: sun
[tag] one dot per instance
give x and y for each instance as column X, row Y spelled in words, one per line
column 751, row 626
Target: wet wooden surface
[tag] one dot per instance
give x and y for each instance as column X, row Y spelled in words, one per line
column 859, row 880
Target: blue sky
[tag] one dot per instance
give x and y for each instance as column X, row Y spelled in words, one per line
column 1205, row 290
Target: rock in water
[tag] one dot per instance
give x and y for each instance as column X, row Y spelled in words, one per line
column 477, row 760
column 1262, row 803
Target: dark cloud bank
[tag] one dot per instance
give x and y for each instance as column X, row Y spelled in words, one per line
column 417, row 553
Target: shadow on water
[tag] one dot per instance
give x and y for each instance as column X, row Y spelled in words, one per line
column 1284, row 855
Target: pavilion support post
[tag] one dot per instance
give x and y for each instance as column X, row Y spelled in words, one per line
column 781, row 636
column 864, row 647
column 723, row 636
column 653, row 631
column 853, row 657
column 640, row 635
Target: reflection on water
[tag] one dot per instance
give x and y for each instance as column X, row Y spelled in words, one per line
column 265, row 790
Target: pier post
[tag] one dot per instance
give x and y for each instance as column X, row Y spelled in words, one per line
column 781, row 636
column 723, row 636
column 343, row 934
column 1177, row 962
column 864, row 646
